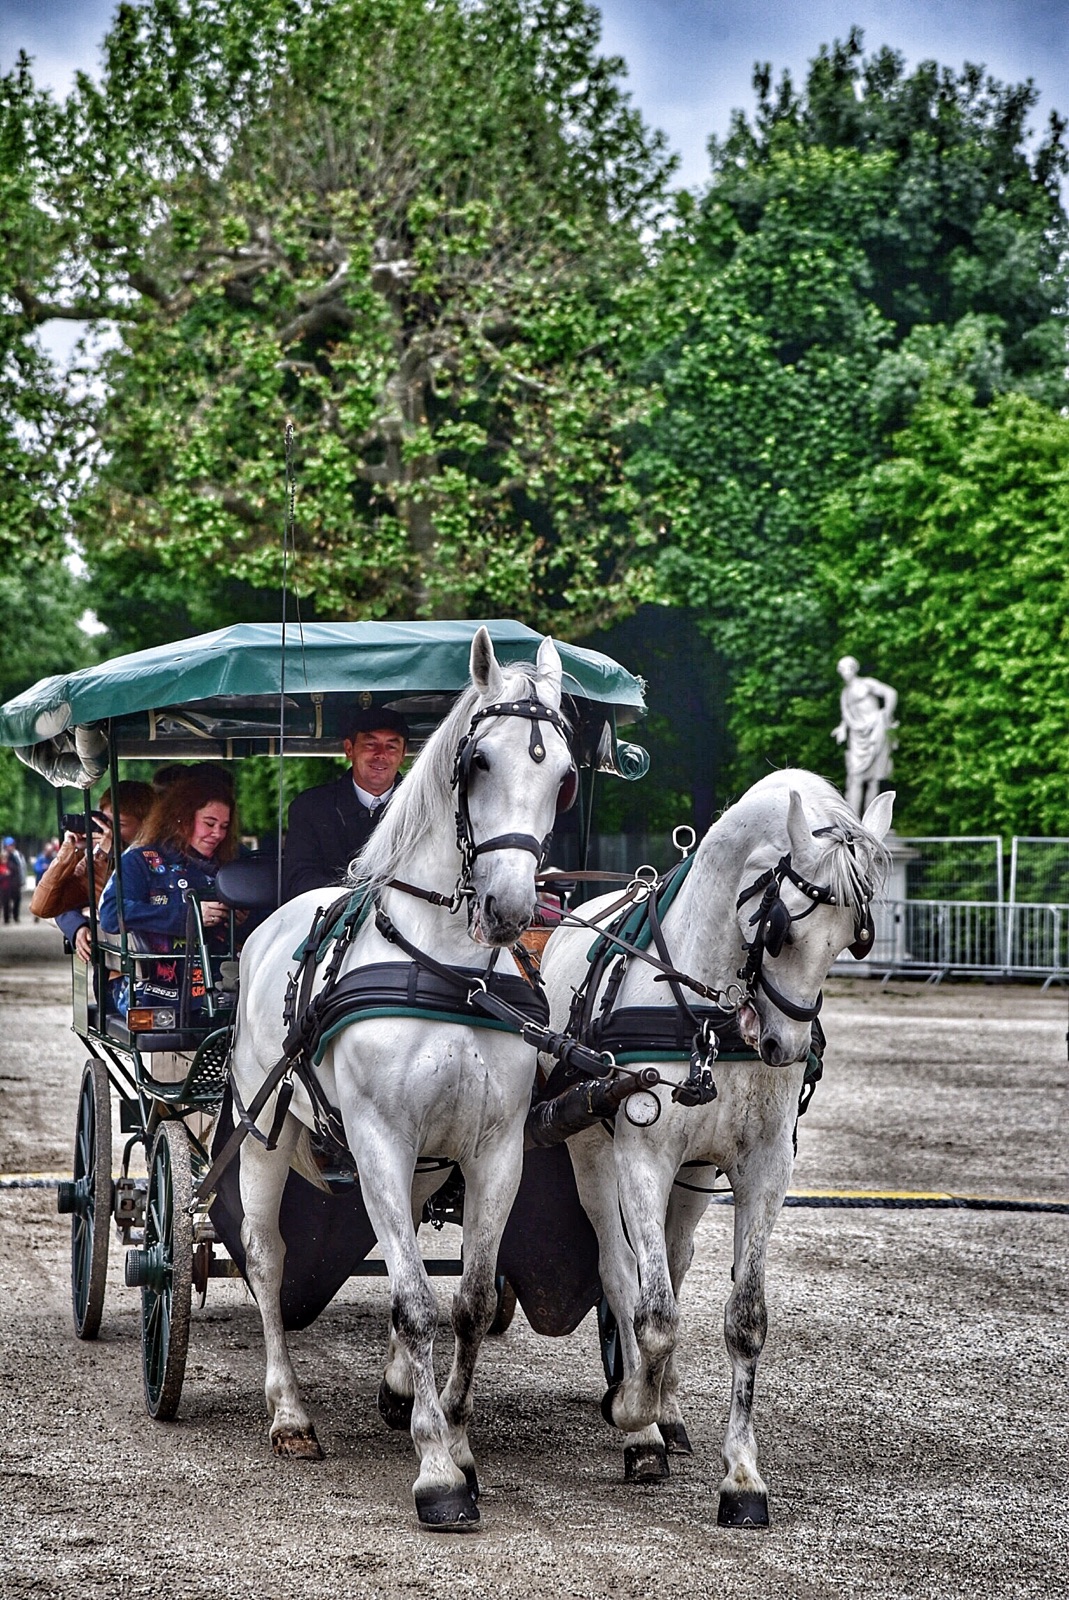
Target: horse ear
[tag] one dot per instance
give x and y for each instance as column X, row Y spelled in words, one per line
column 549, row 673
column 486, row 675
column 798, row 831
column 877, row 818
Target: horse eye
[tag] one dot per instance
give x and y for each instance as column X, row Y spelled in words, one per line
column 480, row 761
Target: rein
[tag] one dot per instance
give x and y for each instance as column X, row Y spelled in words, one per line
column 576, row 1056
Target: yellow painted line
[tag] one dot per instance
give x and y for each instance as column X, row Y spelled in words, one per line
column 943, row 1195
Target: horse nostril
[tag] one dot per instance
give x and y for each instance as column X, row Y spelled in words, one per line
column 770, row 1050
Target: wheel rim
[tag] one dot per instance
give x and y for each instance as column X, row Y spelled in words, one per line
column 91, row 1200
column 167, row 1267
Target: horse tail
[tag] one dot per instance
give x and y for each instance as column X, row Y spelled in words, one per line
column 304, row 1163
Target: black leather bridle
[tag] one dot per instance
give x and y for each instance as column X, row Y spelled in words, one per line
column 468, row 756
column 772, row 926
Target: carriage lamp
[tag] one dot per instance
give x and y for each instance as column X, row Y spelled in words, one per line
column 144, row 1019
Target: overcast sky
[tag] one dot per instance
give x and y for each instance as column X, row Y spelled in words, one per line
column 690, row 61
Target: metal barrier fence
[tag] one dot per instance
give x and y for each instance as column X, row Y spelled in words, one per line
column 951, row 867
column 1039, row 870
column 934, row 922
column 935, row 938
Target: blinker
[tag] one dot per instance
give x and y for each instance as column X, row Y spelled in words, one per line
column 777, row 927
column 864, row 934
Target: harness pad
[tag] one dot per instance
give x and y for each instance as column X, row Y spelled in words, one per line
column 404, row 989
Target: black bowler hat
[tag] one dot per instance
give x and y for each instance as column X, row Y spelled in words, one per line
column 374, row 718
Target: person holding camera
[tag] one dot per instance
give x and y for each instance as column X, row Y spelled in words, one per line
column 63, row 891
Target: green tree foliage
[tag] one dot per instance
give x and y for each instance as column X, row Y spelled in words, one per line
column 411, row 227
column 951, row 562
column 853, row 234
column 41, row 599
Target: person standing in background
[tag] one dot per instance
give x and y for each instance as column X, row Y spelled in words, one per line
column 15, row 879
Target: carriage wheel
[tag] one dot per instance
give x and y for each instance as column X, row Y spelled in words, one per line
column 88, row 1199
column 163, row 1271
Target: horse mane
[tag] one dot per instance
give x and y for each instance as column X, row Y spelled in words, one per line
column 854, row 864
column 426, row 791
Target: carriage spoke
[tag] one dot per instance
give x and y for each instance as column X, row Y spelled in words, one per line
column 165, row 1271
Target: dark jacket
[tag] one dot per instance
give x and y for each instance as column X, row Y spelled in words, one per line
column 154, row 881
column 327, row 827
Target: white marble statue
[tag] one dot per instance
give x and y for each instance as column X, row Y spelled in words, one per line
column 867, row 707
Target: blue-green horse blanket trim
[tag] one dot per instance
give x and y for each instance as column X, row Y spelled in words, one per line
column 403, row 989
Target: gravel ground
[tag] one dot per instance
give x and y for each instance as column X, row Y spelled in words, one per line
column 911, row 1405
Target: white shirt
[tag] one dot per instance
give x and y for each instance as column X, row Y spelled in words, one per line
column 373, row 801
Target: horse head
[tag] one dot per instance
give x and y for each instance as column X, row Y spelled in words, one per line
column 800, row 907
column 514, row 772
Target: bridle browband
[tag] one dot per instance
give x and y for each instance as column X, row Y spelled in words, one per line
column 772, row 923
column 535, row 712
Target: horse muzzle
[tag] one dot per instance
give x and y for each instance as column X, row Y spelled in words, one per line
column 495, row 922
column 774, row 1041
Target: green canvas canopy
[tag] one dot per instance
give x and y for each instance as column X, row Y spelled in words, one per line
column 238, row 692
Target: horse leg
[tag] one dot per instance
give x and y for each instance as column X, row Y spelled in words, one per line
column 625, row 1405
column 490, row 1185
column 396, row 1389
column 685, row 1210
column 444, row 1499
column 758, row 1200
column 263, row 1178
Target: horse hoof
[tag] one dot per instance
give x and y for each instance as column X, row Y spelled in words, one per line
column 447, row 1510
column 606, row 1403
column 395, row 1409
column 742, row 1509
column 676, row 1439
column 645, row 1463
column 297, row 1444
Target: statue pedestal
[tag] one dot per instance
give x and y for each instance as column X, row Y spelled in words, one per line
column 888, row 912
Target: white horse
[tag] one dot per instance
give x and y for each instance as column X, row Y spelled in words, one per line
column 410, row 1087
column 779, row 886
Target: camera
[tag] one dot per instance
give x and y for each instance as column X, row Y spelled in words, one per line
column 74, row 822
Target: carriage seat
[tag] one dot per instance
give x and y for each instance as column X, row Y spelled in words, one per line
column 249, row 884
